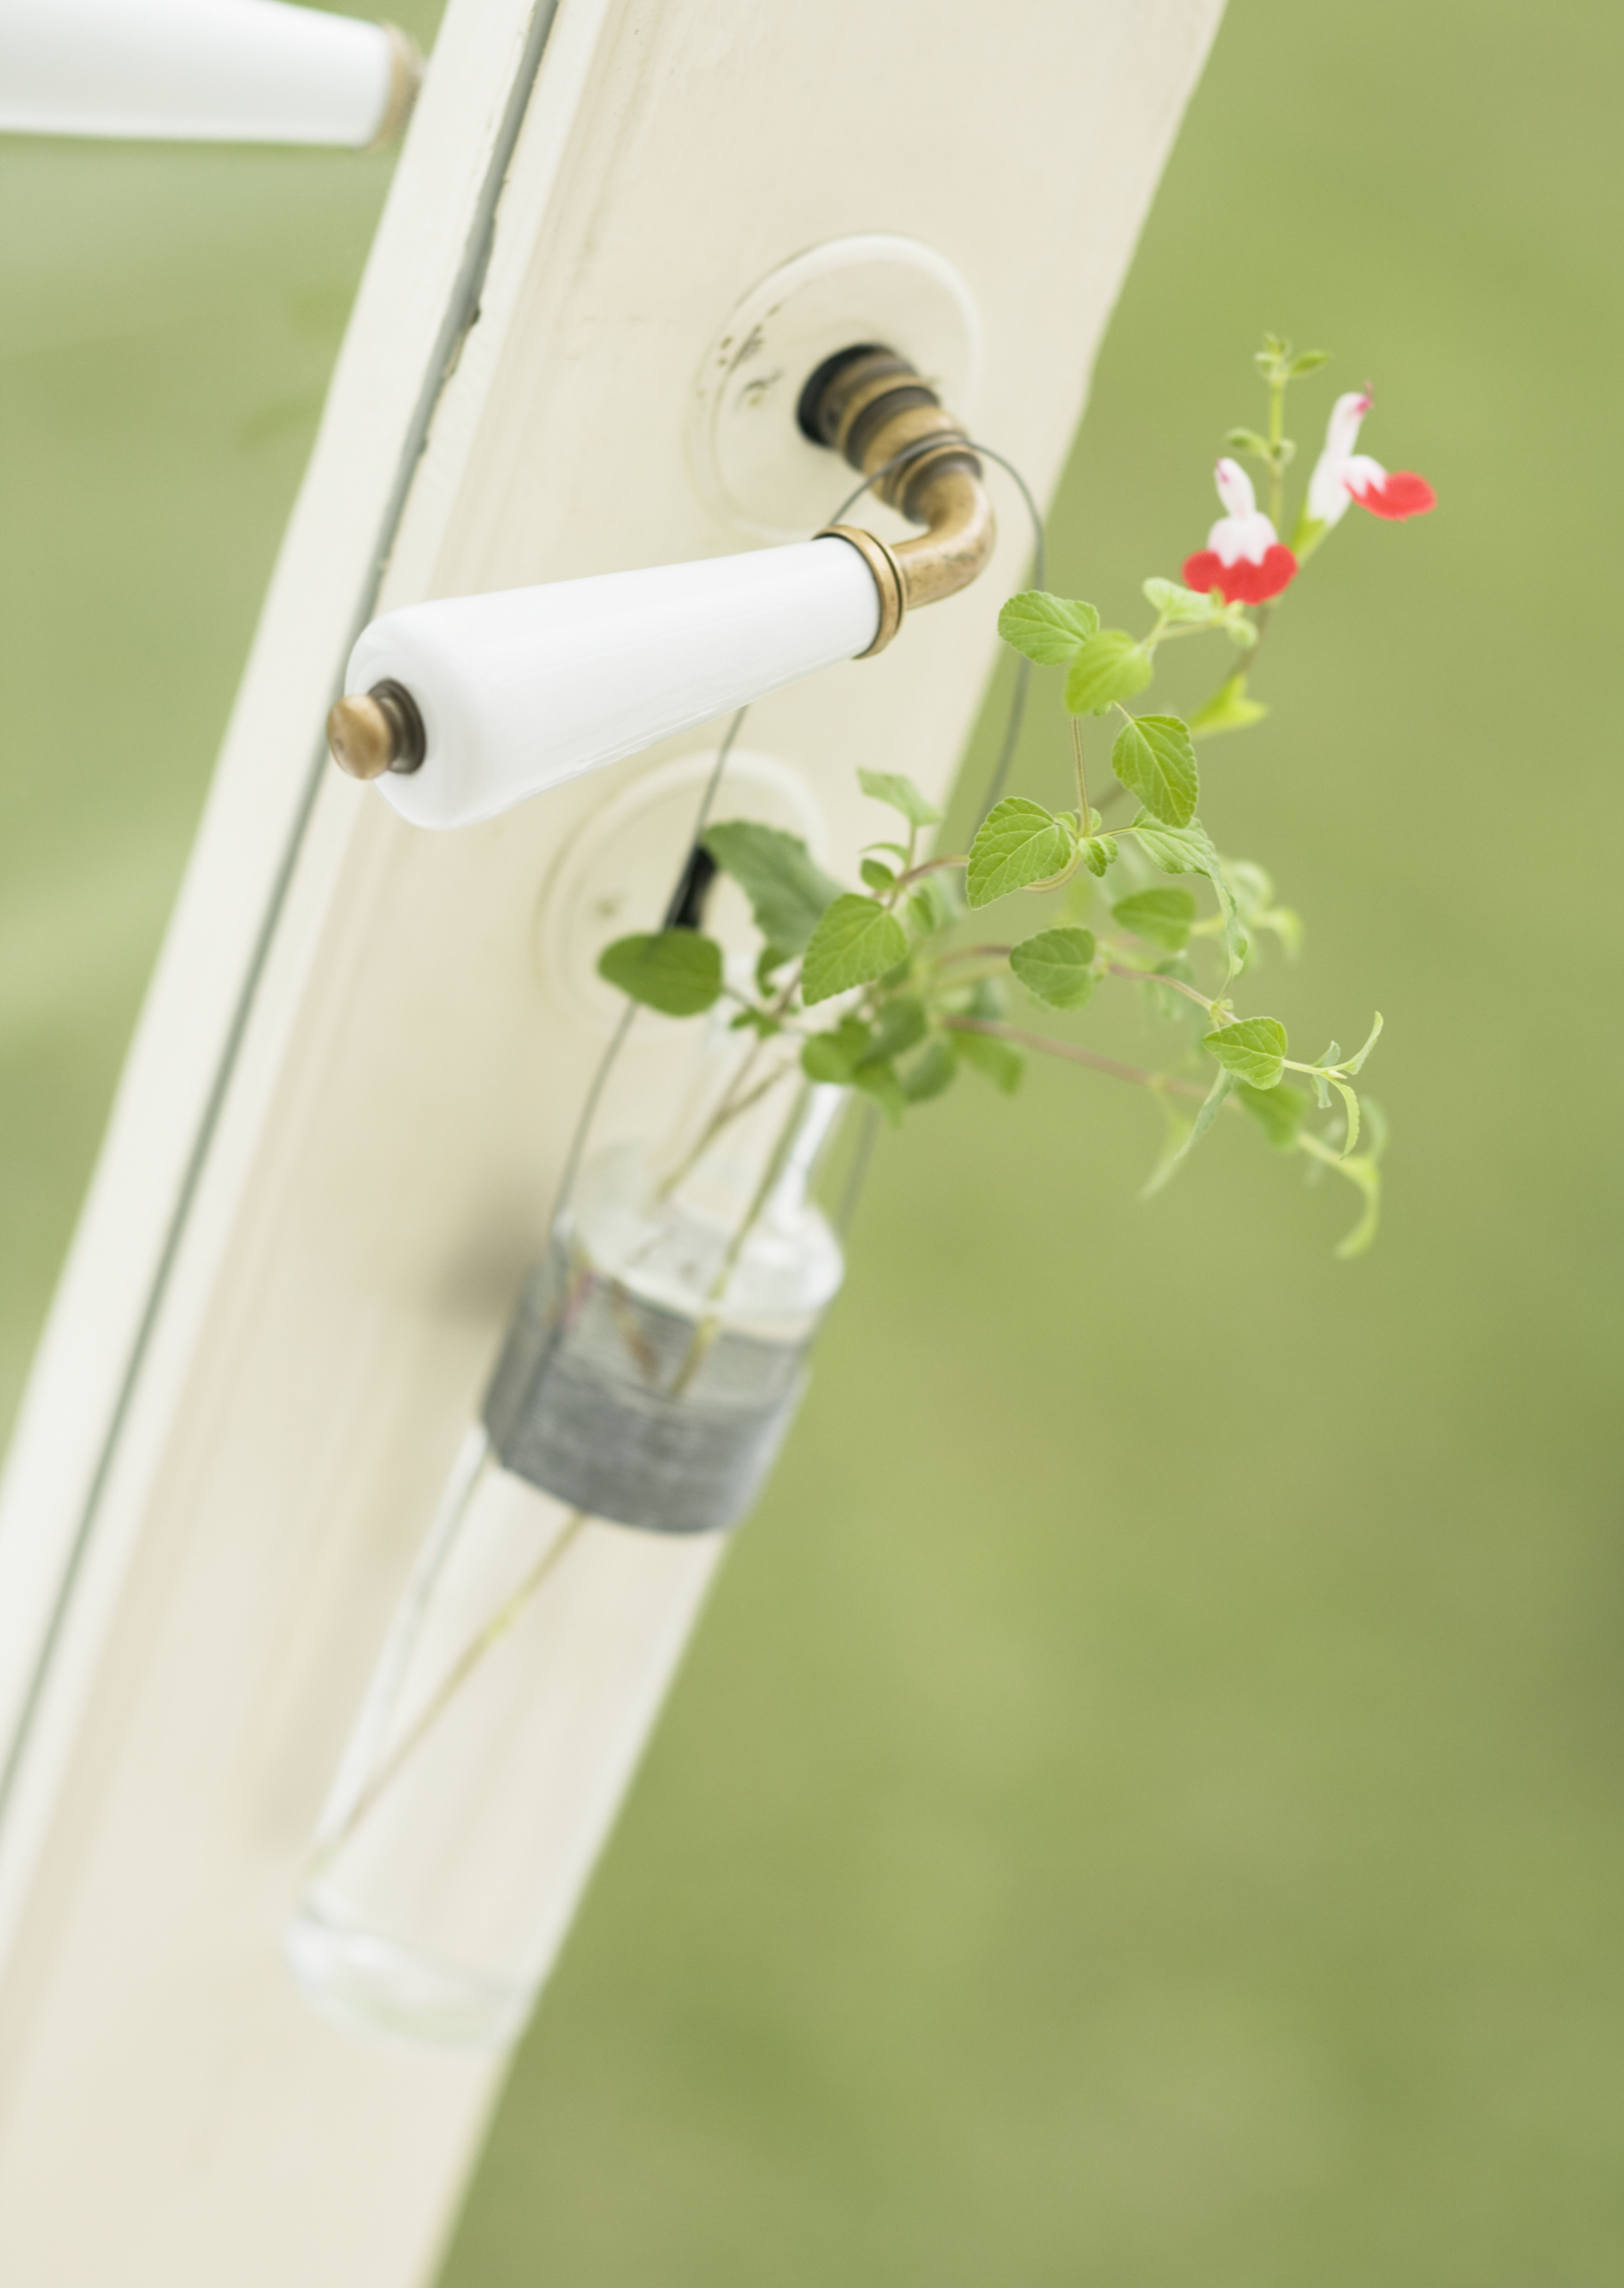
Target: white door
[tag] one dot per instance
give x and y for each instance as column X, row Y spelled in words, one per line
column 366, row 1047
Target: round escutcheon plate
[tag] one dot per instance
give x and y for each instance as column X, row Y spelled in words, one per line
column 617, row 872
column 749, row 456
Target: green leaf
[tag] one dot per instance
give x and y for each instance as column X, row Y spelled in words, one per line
column 1173, row 1007
column 1247, row 441
column 999, row 1061
column 1188, row 850
column 676, row 971
column 1353, row 1103
column 1098, row 851
column 1018, row 842
column 1287, row 925
column 855, row 942
column 1056, row 966
column 1352, row 1064
column 1306, row 361
column 1154, row 759
column 1360, row 1168
column 1174, row 601
column 987, row 997
column 901, row 794
column 931, row 905
column 931, row 1073
column 1048, row 628
column 1362, row 1171
column 1254, row 1049
column 1177, row 850
column 1278, row 1111
column 878, row 876
column 770, row 959
column 1255, row 899
column 900, row 1026
column 1110, row 666
column 834, row 1055
column 788, row 891
column 1228, row 710
column 1253, row 885
column 822, row 1059
column 880, row 1081
column 1212, row 1104
column 1164, row 916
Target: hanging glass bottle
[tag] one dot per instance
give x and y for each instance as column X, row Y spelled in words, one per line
column 650, row 1376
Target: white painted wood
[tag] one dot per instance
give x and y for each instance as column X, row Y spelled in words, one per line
column 331, row 1155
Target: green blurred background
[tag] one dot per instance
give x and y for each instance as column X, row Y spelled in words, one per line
column 1143, row 1807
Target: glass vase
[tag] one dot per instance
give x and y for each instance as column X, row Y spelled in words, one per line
column 650, row 1376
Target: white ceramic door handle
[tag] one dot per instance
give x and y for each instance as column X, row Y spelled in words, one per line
column 519, row 691
column 217, row 71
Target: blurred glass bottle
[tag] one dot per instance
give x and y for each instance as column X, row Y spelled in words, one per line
column 650, row 1377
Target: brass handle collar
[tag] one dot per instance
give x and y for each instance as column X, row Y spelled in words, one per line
column 872, row 408
column 889, row 579
column 404, row 82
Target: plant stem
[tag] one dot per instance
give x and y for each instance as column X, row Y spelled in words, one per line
column 1176, row 634
column 998, row 967
column 1053, row 881
column 769, row 1175
column 1319, row 1149
column 1085, row 815
column 1156, row 977
column 733, row 1106
column 1073, row 1054
column 908, row 870
column 473, row 1653
column 705, row 1332
column 928, row 866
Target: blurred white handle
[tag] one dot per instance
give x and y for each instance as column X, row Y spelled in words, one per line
column 227, row 71
column 521, row 690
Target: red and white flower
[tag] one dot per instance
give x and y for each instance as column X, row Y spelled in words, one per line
column 1341, row 475
column 1244, row 558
